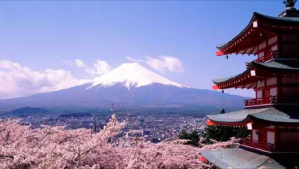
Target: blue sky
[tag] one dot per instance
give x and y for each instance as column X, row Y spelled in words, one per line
column 52, row 34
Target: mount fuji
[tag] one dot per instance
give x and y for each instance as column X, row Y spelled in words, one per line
column 132, row 75
column 130, row 87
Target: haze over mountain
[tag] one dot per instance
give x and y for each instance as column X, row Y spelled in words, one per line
column 129, row 86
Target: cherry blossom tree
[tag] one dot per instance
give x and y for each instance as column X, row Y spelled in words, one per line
column 56, row 147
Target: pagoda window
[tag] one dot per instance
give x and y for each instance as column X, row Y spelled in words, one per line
column 270, row 137
column 255, row 135
column 273, row 91
column 259, row 94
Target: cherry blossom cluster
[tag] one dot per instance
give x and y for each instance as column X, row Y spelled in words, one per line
column 55, row 148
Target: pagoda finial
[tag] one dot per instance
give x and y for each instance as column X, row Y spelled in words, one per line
column 290, row 3
column 290, row 10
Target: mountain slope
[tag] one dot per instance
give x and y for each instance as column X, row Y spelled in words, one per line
column 129, row 86
column 25, row 111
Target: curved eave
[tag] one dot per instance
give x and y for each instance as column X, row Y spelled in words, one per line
column 241, row 121
column 272, row 115
column 278, row 66
column 270, row 119
column 286, row 21
column 241, row 116
column 221, row 46
column 226, row 80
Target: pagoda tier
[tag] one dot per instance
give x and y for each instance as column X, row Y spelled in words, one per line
column 273, row 130
column 275, row 83
column 267, row 37
column 259, row 71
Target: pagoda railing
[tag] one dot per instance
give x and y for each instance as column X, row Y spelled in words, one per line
column 286, row 100
column 265, row 58
column 284, row 54
column 271, row 100
column 258, row 144
column 282, row 147
column 260, row 101
column 276, row 54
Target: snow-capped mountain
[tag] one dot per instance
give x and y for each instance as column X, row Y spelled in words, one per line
column 130, row 87
column 131, row 75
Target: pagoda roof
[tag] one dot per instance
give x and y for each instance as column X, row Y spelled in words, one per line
column 279, row 65
column 239, row 158
column 269, row 20
column 272, row 114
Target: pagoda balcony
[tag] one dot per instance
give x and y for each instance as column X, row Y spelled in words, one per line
column 265, row 58
column 258, row 145
column 260, row 101
column 289, row 147
column 265, row 101
column 277, row 55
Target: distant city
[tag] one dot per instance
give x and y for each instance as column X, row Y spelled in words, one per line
column 153, row 128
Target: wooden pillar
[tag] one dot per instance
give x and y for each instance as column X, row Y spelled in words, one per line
column 279, row 86
column 279, row 42
column 277, row 139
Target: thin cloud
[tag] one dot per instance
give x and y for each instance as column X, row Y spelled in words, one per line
column 133, row 60
column 100, row 67
column 79, row 63
column 165, row 63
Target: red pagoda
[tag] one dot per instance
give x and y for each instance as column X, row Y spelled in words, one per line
column 272, row 117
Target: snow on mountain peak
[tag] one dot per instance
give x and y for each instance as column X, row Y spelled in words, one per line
column 131, row 75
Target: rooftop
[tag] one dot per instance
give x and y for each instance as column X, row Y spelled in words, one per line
column 239, row 158
column 279, row 65
column 244, row 39
column 272, row 114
